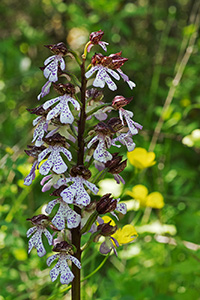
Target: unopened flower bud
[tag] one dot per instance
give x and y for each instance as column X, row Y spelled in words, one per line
column 34, row 151
column 96, row 59
column 63, row 89
column 63, row 247
column 94, row 94
column 120, row 101
column 80, row 171
column 117, row 60
column 96, row 36
column 58, row 49
column 106, row 204
column 103, row 128
column 39, row 220
column 107, row 229
column 55, row 139
column 116, row 165
column 115, row 124
column 39, row 111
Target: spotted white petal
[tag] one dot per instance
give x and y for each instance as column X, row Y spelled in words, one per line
column 62, row 63
column 73, row 219
column 111, row 85
column 122, row 208
column 49, row 59
column 82, row 197
column 59, row 165
column 93, row 140
column 69, row 193
column 66, row 152
column 48, row 236
column 74, row 102
column 31, row 231
column 54, row 111
column 91, row 186
column 89, row 73
column 50, row 206
column 45, row 90
column 66, row 274
column 74, row 260
column 55, row 272
column 36, row 121
column 49, row 103
column 51, row 259
column 100, row 79
column 100, row 153
column 44, row 153
column 46, row 167
column 113, row 73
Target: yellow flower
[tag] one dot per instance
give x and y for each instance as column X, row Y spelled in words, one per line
column 155, row 200
column 125, row 234
column 140, row 193
column 141, row 159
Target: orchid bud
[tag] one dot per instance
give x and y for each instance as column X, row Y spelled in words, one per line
column 39, row 220
column 58, row 49
column 55, row 139
column 94, row 94
column 115, row 124
column 106, row 204
column 96, row 36
column 96, row 59
column 120, row 101
column 34, row 151
column 116, row 165
column 63, row 89
column 80, row 171
column 39, row 111
column 103, row 128
column 63, row 247
column 106, row 229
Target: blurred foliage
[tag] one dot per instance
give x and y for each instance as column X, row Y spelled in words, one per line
column 154, row 35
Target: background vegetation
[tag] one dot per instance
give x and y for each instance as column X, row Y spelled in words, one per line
column 160, row 39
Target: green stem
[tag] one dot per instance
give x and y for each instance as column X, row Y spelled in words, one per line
column 98, row 176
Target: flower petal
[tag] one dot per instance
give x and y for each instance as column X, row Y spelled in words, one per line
column 44, row 153
column 74, row 260
column 49, row 103
column 46, row 167
column 91, row 186
column 59, row 165
column 89, row 73
column 31, row 231
column 51, row 259
column 55, row 272
column 49, row 59
column 50, row 206
column 48, row 236
column 66, row 152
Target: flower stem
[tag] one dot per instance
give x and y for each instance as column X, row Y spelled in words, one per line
column 76, row 233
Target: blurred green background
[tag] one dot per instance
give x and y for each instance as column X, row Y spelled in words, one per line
column 161, row 40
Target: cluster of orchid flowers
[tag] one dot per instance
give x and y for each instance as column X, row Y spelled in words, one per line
column 55, row 150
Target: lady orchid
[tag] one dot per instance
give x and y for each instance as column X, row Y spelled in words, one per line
column 73, row 151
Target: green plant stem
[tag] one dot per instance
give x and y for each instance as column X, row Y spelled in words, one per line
column 76, row 234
